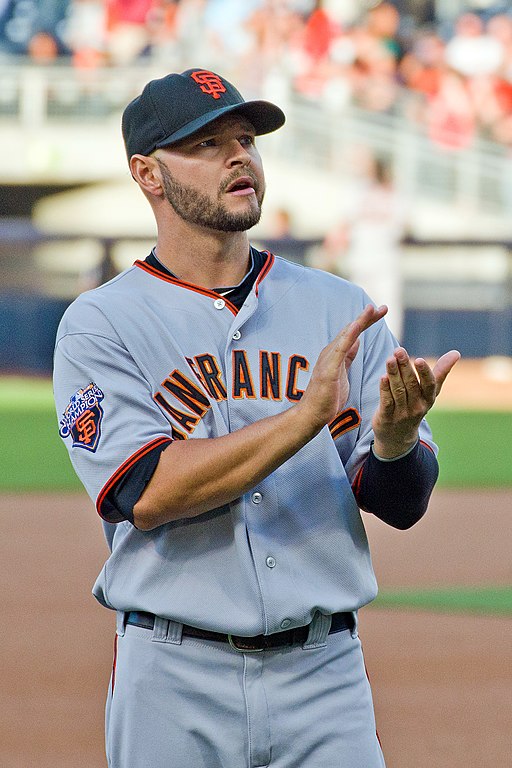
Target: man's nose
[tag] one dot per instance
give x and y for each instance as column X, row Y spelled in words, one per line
column 238, row 154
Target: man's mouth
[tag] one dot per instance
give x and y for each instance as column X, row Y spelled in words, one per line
column 243, row 185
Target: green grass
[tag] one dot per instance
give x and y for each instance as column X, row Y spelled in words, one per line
column 475, row 600
column 20, row 394
column 475, row 446
column 33, row 455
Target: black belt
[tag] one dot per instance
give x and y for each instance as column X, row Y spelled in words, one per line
column 297, row 636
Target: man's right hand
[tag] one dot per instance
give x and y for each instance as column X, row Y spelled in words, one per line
column 328, row 388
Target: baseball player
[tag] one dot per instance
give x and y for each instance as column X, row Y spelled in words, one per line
column 230, row 413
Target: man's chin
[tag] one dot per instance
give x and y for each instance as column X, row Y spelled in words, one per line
column 240, row 223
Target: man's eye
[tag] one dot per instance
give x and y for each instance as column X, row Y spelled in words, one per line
column 247, row 140
column 207, row 143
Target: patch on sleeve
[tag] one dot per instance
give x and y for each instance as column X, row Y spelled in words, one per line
column 82, row 418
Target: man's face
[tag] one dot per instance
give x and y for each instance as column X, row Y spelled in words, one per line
column 215, row 179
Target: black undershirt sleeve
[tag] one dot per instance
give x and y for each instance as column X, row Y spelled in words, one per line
column 398, row 491
column 122, row 498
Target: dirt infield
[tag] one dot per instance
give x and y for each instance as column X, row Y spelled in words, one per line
column 442, row 684
column 479, row 383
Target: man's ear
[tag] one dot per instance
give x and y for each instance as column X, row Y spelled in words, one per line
column 147, row 174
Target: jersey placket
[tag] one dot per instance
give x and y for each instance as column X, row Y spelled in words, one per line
column 260, row 506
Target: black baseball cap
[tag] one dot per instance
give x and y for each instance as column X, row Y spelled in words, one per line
column 175, row 106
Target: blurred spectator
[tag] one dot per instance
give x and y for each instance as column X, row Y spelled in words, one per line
column 492, row 93
column 382, row 25
column 126, row 27
column 281, row 238
column 192, row 34
column 378, row 51
column 42, row 48
column 280, row 227
column 275, row 30
column 86, row 33
column 23, row 20
column 450, row 115
column 335, row 53
column 500, row 28
column 104, row 270
column 421, row 68
column 161, row 22
column 492, row 102
column 225, row 20
column 316, row 70
column 320, row 30
column 472, row 52
column 365, row 247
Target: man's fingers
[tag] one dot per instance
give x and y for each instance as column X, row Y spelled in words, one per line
column 407, row 371
column 369, row 316
column 405, row 400
column 427, row 380
column 433, row 379
column 347, row 337
column 387, row 401
column 403, row 381
column 329, row 385
column 396, row 383
column 443, row 367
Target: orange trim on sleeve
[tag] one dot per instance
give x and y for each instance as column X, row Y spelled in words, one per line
column 356, row 485
column 422, row 442
column 128, row 464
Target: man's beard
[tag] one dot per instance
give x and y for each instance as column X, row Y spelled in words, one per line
column 198, row 208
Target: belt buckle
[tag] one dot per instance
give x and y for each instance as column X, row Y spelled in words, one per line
column 234, row 639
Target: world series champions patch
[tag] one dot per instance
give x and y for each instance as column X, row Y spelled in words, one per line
column 82, row 418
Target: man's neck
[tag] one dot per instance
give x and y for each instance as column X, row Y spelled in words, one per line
column 205, row 259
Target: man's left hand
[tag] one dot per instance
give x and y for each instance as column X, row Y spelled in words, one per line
column 408, row 391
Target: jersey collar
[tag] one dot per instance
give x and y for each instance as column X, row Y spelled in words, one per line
column 234, row 296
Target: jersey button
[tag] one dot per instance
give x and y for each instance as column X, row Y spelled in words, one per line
column 219, row 303
column 270, row 561
column 285, row 623
column 236, row 335
column 256, row 498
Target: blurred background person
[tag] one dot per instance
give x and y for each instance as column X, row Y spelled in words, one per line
column 471, row 51
column 127, row 29
column 86, row 33
column 29, row 27
column 365, row 247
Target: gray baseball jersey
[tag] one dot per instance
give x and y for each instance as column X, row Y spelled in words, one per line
column 147, row 359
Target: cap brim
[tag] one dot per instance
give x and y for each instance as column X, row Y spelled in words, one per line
column 264, row 116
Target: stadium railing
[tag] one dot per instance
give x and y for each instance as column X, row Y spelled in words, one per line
column 85, row 103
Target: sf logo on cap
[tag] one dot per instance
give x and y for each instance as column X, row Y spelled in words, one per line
column 210, row 83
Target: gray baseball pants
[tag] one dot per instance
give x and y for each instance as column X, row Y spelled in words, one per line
column 182, row 702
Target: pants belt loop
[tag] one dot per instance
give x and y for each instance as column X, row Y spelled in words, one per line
column 355, row 632
column 318, row 631
column 120, row 623
column 166, row 631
